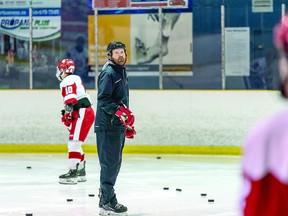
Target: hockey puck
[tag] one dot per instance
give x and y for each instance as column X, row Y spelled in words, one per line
column 29, row 214
column 178, row 189
column 91, row 195
column 158, row 157
column 165, row 188
column 28, row 167
column 203, row 194
column 210, row 200
column 69, row 200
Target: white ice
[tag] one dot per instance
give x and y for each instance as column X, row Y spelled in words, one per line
column 139, row 186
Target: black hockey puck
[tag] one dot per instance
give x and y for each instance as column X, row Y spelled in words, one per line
column 29, row 214
column 91, row 195
column 165, row 188
column 28, row 167
column 158, row 157
column 203, row 194
column 178, row 189
column 69, row 200
column 210, row 200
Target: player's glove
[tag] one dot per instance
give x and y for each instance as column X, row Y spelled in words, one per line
column 66, row 119
column 127, row 118
column 130, row 132
column 125, row 115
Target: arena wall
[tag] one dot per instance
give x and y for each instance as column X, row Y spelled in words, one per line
column 168, row 121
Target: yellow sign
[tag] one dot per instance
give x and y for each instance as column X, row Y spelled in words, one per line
column 110, row 28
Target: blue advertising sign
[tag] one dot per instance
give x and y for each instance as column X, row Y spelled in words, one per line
column 14, row 19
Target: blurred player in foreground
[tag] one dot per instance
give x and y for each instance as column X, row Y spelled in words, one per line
column 78, row 116
column 114, row 121
column 265, row 156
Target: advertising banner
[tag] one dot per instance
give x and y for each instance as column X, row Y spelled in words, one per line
column 115, row 4
column 110, row 3
column 14, row 19
column 141, row 35
column 106, row 34
column 26, row 3
column 163, row 3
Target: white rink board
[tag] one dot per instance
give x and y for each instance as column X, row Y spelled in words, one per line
column 167, row 117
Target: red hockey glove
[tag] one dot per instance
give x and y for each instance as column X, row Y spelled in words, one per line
column 125, row 115
column 130, row 132
column 67, row 119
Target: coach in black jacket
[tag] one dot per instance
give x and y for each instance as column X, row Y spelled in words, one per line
column 113, row 92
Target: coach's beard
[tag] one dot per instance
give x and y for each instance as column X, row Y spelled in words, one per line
column 121, row 61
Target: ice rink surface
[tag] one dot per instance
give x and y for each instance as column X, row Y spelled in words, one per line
column 29, row 185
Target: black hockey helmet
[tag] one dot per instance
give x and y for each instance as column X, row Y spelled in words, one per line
column 115, row 45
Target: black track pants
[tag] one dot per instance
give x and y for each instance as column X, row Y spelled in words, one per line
column 110, row 144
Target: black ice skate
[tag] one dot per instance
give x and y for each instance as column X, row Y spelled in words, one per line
column 70, row 177
column 116, row 210
column 81, row 174
column 100, row 198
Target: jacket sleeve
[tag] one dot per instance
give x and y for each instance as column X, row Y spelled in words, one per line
column 105, row 90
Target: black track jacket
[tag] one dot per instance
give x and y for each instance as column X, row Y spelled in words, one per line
column 112, row 91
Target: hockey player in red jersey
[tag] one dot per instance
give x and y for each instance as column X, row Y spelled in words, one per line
column 265, row 156
column 78, row 116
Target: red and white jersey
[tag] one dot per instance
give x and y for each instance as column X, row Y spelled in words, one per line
column 73, row 89
column 265, row 168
